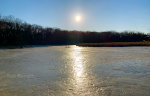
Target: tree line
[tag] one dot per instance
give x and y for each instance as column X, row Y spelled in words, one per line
column 15, row 32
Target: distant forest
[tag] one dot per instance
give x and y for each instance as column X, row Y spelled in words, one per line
column 14, row 32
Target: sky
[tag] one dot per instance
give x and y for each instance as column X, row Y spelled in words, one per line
column 96, row 15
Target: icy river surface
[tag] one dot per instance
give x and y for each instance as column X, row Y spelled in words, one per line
column 75, row 71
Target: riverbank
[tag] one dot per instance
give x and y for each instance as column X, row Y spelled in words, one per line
column 115, row 44
column 11, row 47
column 110, row 44
column 29, row 46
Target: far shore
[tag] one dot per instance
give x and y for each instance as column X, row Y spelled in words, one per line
column 29, row 46
column 115, row 44
column 108, row 44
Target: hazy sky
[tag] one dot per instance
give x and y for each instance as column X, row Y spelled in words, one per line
column 97, row 15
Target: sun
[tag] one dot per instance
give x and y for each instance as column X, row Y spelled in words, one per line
column 78, row 18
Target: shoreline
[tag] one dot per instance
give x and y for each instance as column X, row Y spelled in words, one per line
column 115, row 44
column 29, row 46
column 108, row 44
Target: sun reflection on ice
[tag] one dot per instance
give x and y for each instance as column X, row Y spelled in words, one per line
column 78, row 67
column 80, row 80
column 77, row 63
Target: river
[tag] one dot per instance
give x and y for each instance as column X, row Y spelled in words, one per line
column 75, row 71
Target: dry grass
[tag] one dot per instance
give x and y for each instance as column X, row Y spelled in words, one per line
column 115, row 44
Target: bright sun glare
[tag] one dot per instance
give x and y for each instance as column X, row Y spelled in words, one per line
column 78, row 18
